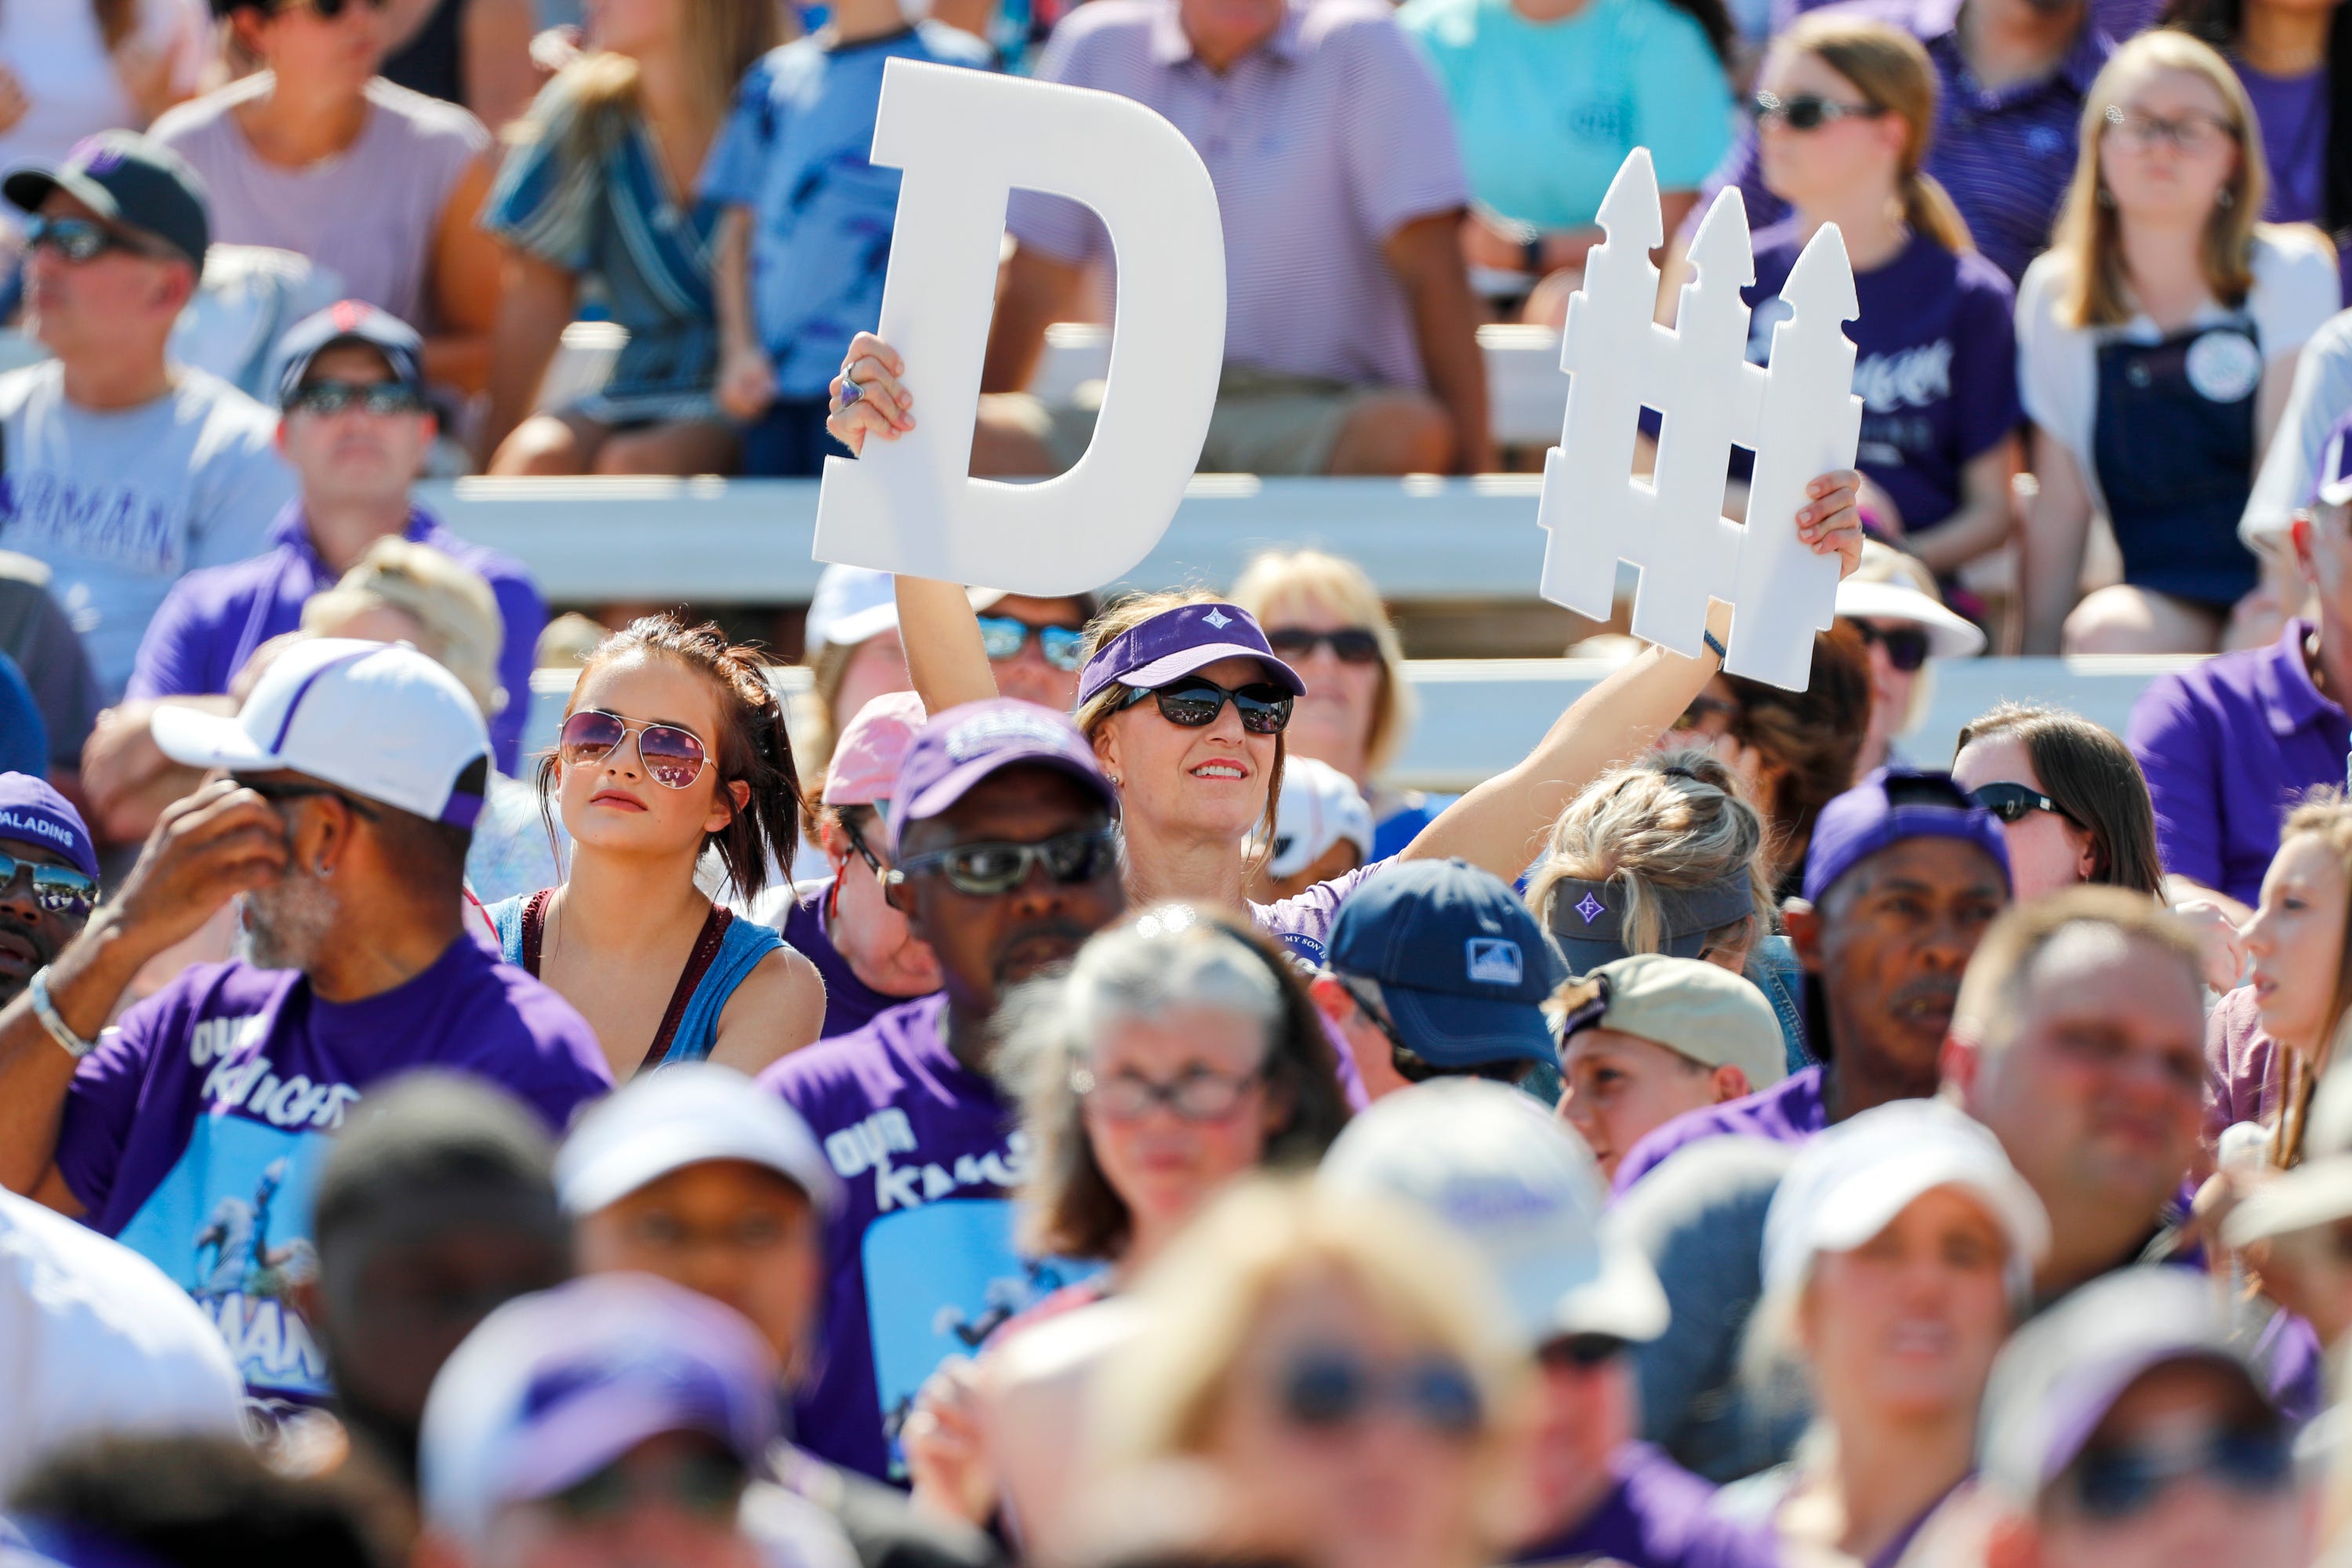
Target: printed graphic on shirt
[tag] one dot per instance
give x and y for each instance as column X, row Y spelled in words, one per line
column 95, row 517
column 1893, row 388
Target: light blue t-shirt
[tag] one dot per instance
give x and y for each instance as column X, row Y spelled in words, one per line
column 1547, row 111
column 794, row 152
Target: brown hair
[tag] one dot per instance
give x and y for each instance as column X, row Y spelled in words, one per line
column 2095, row 292
column 2324, row 814
column 1986, row 1012
column 1137, row 968
column 2095, row 781
column 719, row 40
column 752, row 745
column 1892, row 72
column 1278, row 579
column 1809, row 738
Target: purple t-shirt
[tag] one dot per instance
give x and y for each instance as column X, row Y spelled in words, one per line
column 213, row 618
column 849, row 1003
column 2293, row 111
column 1936, row 365
column 2226, row 747
column 1789, row 1112
column 195, row 1134
column 1659, row 1515
column 920, row 1264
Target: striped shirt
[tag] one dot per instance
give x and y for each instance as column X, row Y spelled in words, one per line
column 1322, row 143
column 2005, row 156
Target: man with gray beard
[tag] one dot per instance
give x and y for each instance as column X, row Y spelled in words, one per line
column 193, row 1132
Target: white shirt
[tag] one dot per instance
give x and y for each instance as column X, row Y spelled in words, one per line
column 2320, row 396
column 94, row 1338
column 58, row 55
column 2295, row 290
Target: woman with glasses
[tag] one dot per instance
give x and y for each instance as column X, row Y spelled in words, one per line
column 673, row 746
column 1324, row 617
column 2157, row 340
column 1845, row 107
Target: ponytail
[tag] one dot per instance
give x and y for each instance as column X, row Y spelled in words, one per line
column 1928, row 208
column 1890, row 70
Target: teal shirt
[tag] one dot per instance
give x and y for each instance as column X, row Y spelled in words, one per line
column 1548, row 111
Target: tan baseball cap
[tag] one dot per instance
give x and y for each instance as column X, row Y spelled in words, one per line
column 1694, row 1008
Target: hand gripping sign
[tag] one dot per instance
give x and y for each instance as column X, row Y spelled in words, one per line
column 965, row 139
column 1800, row 417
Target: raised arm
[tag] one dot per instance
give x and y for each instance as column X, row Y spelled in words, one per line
column 1501, row 823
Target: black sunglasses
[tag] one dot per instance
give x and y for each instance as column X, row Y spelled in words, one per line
column 1809, row 111
column 1004, row 638
column 1580, row 1351
column 2118, row 1482
column 1353, row 644
column 991, row 870
column 2010, row 802
column 1907, row 646
column 58, row 889
column 376, row 396
column 78, row 239
column 1195, row 702
column 1325, row 1391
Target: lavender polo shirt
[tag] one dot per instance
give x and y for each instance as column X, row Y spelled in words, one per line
column 213, row 618
column 1322, row 144
column 2005, row 156
column 2226, row 747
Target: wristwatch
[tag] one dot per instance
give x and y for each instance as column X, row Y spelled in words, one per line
column 46, row 1012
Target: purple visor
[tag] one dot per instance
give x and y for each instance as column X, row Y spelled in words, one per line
column 1177, row 642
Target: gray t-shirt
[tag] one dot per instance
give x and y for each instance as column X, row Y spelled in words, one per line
column 119, row 504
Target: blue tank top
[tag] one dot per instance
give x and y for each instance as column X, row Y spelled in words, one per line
column 726, row 950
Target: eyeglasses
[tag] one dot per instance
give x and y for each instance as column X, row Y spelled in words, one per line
column 1354, row 645
column 1324, row 1391
column 1004, row 638
column 327, row 10
column 1195, row 701
column 707, row 1485
column 2116, row 1483
column 674, row 757
column 382, row 397
column 78, row 239
column 1907, row 646
column 1200, row 1095
column 1809, row 111
column 2194, row 134
column 857, row 842
column 1581, row 1352
column 58, row 889
column 1702, row 709
column 2010, row 802
column 278, row 791
column 991, row 870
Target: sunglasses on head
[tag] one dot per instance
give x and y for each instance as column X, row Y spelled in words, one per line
column 1354, row 645
column 78, row 239
column 1004, row 638
column 2012, row 801
column 1195, row 702
column 2117, row 1482
column 58, row 889
column 1808, row 111
column 1907, row 646
column 991, row 870
column 673, row 756
column 1329, row 1390
column 386, row 398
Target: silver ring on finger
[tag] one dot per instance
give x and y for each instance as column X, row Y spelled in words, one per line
column 850, row 391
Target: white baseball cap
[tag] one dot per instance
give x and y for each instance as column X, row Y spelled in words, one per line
column 380, row 720
column 1521, row 1189
column 1320, row 805
column 686, row 1115
column 851, row 604
column 1851, row 1181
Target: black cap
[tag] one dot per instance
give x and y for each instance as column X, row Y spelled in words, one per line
column 344, row 322
column 128, row 180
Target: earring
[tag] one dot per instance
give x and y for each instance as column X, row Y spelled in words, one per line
column 2228, row 198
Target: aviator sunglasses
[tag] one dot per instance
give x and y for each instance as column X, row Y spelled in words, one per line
column 1195, row 702
column 673, row 757
column 58, row 889
column 1004, row 638
column 78, row 239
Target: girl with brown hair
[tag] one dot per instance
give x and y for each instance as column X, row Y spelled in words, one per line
column 672, row 745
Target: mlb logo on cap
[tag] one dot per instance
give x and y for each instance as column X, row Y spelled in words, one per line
column 1494, row 961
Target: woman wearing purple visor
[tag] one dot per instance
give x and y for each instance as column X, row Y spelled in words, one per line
column 1186, row 705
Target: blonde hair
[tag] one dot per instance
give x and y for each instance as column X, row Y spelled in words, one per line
column 2324, row 814
column 1280, row 579
column 2095, row 292
column 1671, row 822
column 451, row 603
column 1890, row 70
column 718, row 40
column 1161, row 1398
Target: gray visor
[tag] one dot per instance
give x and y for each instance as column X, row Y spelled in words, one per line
column 1588, row 918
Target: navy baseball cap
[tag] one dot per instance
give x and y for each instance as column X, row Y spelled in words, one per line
column 126, row 179
column 1174, row 643
column 1887, row 808
column 33, row 813
column 1463, row 968
column 957, row 749
column 345, row 323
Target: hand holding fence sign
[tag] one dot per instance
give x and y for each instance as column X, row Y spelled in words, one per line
column 1799, row 415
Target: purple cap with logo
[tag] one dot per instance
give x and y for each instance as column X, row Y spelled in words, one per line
column 551, row 1388
column 33, row 813
column 1175, row 643
column 1887, row 808
column 2331, row 479
column 967, row 744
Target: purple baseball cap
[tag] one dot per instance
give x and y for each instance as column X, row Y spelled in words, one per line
column 1177, row 642
column 33, row 813
column 967, row 744
column 2331, row 478
column 1887, row 808
column 551, row 1388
